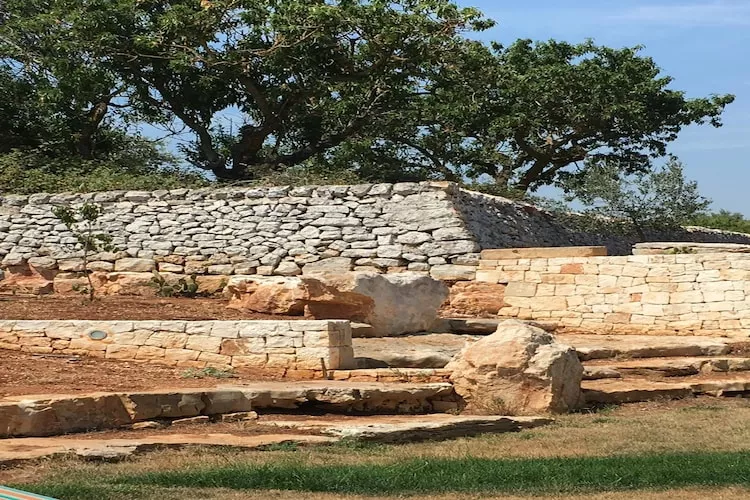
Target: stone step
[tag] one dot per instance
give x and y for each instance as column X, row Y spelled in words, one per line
column 270, row 430
column 48, row 415
column 480, row 326
column 396, row 429
column 664, row 367
column 591, row 347
column 631, row 390
column 14, row 451
column 437, row 349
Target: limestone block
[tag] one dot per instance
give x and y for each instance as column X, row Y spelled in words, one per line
column 134, row 265
column 181, row 355
column 250, row 361
column 518, row 289
column 150, row 353
column 203, row 343
column 519, row 369
column 544, row 253
column 116, row 351
column 243, row 347
column 167, row 340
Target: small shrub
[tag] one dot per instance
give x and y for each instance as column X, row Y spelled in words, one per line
column 83, row 221
column 183, row 288
column 208, row 372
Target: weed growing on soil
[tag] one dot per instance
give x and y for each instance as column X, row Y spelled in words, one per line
column 183, row 287
column 208, row 372
column 82, row 221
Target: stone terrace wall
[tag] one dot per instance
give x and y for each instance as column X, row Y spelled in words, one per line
column 684, row 294
column 276, row 230
column 425, row 227
column 501, row 223
column 278, row 346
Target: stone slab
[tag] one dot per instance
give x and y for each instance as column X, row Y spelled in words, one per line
column 399, row 429
column 637, row 390
column 543, row 253
column 661, row 248
column 17, row 450
column 50, row 415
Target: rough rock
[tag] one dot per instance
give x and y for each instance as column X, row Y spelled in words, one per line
column 519, row 369
column 271, row 295
column 401, row 429
column 474, row 298
column 410, row 351
column 393, row 304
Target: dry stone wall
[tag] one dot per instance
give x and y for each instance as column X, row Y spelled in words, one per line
column 278, row 346
column 424, row 227
column 684, row 294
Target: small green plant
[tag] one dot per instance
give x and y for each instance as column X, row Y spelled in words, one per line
column 82, row 221
column 208, row 372
column 680, row 251
column 183, row 287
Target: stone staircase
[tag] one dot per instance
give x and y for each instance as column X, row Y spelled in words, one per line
column 623, row 369
column 618, row 368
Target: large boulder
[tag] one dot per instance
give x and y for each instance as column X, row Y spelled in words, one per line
column 394, row 304
column 267, row 294
column 520, row 370
column 475, row 299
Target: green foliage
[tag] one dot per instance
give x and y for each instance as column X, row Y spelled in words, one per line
column 660, row 199
column 208, row 372
column 181, row 288
column 83, row 222
column 130, row 168
column 305, row 75
column 724, row 220
column 469, row 475
column 344, row 89
column 523, row 116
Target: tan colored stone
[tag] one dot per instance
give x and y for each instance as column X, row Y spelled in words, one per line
column 168, row 340
column 543, row 253
column 203, row 343
column 517, row 289
column 250, row 361
column 181, row 355
column 392, row 304
column 243, row 347
column 150, row 353
column 475, row 299
column 272, row 295
column 115, row 351
column 519, row 369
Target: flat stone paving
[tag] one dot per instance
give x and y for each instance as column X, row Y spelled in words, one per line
column 382, row 429
column 13, row 451
column 54, row 414
column 435, row 350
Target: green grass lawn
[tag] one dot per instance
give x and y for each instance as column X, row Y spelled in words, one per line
column 691, row 449
column 430, row 476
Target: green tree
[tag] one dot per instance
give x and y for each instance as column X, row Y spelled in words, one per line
column 724, row 220
column 304, row 75
column 658, row 199
column 531, row 114
column 82, row 221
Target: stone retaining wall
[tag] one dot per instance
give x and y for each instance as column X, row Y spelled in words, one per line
column 685, row 294
column 426, row 227
column 279, row 346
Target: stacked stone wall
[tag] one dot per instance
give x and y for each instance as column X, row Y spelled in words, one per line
column 278, row 346
column 684, row 294
column 434, row 228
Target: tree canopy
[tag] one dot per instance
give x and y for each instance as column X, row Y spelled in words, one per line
column 387, row 89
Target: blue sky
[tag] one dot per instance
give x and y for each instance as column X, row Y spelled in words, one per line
column 703, row 44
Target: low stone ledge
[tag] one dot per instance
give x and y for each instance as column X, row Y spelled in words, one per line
column 60, row 414
column 264, row 345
